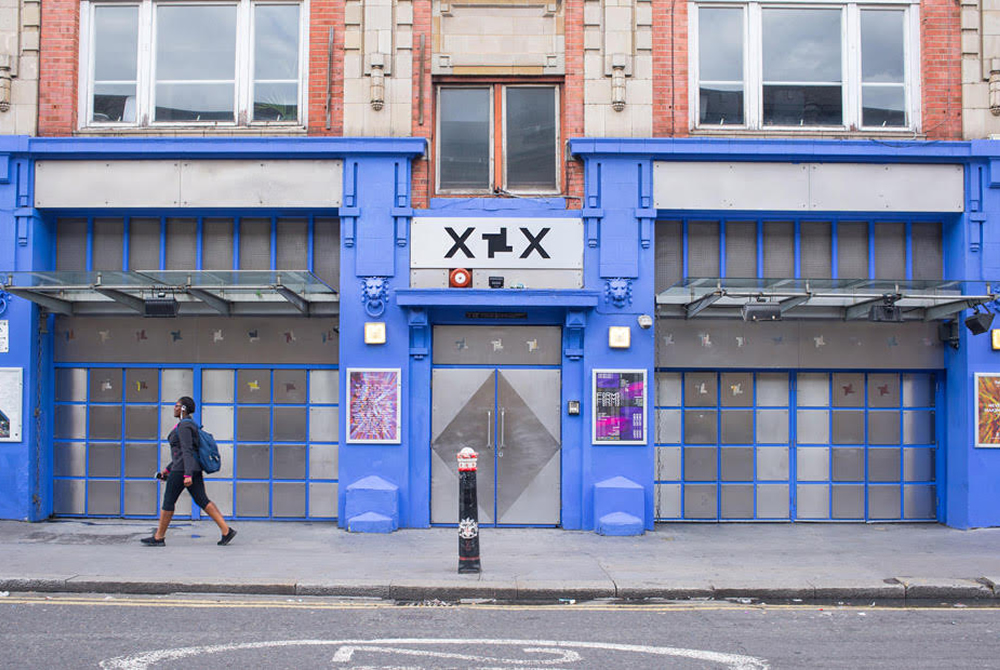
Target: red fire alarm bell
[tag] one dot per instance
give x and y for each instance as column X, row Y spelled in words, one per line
column 460, row 278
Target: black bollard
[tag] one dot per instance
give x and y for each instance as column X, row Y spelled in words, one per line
column 468, row 513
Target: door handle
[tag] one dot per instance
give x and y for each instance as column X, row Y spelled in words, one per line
column 489, row 429
column 502, row 440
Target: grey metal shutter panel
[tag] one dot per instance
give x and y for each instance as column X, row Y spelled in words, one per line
column 816, row 250
column 741, row 248
column 852, row 250
column 928, row 262
column 71, row 244
column 890, row 251
column 669, row 254
column 144, row 244
column 182, row 244
column 326, row 251
column 255, row 244
column 293, row 243
column 217, row 244
column 108, row 243
column 779, row 249
column 703, row 249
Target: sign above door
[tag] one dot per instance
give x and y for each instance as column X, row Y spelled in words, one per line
column 497, row 243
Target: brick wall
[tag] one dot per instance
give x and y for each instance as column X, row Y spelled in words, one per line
column 941, row 65
column 422, row 177
column 573, row 97
column 59, row 67
column 324, row 15
column 670, row 67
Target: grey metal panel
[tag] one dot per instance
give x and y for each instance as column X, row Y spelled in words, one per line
column 108, row 252
column 253, row 424
column 700, row 427
column 772, row 501
column 700, row 501
column 736, row 464
column 69, row 459
column 107, row 183
column 812, row 426
column 737, row 501
column 668, row 389
column 668, row 463
column 71, row 422
column 863, row 345
column 326, row 251
column 730, row 186
column 289, row 499
column 176, row 382
column 848, row 502
column 919, row 502
column 221, row 493
column 668, row 501
column 890, row 250
column 167, row 423
column 71, row 384
column 218, row 420
column 105, row 385
column 104, row 422
column 883, row 427
column 497, row 345
column 849, row 427
column 293, row 244
column 142, row 385
column 668, row 426
column 852, row 250
column 226, row 451
column 918, row 465
column 812, row 464
column 290, row 461
column 323, row 461
column 884, row 502
column 252, row 499
column 812, row 501
column 103, row 497
column 736, row 389
column 140, row 460
column 883, row 390
column 812, row 389
column 253, row 386
column 918, row 390
column 290, row 386
column 848, row 389
column 217, row 386
column 140, row 498
column 848, row 464
column 927, row 248
column 872, row 187
column 779, row 249
column 700, row 463
column 322, row 500
column 261, row 183
column 255, row 244
column 884, row 465
column 737, row 427
column 816, row 250
column 140, row 422
column 217, row 243
column 323, row 424
column 71, row 244
column 772, row 389
column 182, row 244
column 669, row 254
column 323, row 386
column 741, row 248
column 700, row 389
column 772, row 426
column 526, row 277
column 69, row 496
column 703, row 248
column 289, row 424
column 144, row 243
column 772, row 463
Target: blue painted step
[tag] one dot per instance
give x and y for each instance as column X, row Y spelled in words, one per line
column 372, row 506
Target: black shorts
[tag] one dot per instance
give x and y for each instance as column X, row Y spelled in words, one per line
column 175, row 484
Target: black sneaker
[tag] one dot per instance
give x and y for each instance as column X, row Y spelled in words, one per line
column 227, row 538
column 151, row 541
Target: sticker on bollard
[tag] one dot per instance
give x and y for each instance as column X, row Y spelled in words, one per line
column 468, row 513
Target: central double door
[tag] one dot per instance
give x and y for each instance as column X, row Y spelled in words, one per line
column 511, row 417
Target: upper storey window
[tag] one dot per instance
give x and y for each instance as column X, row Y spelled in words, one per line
column 821, row 66
column 153, row 63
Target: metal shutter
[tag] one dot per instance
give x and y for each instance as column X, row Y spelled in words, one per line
column 108, row 243
column 293, row 244
column 182, row 244
column 741, row 248
column 779, row 249
column 669, row 254
column 217, row 244
column 816, row 250
column 71, row 244
column 890, row 251
column 928, row 260
column 255, row 244
column 703, row 249
column 144, row 244
column 326, row 251
column 852, row 250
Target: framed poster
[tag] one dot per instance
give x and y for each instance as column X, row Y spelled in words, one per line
column 11, row 392
column 988, row 410
column 373, row 409
column 619, row 400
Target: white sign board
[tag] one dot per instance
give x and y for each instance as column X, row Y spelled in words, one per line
column 496, row 243
column 4, row 336
column 11, row 392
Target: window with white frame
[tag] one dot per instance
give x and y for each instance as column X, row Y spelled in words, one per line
column 497, row 136
column 841, row 66
column 163, row 62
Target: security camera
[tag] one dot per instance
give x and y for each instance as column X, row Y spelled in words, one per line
column 645, row 321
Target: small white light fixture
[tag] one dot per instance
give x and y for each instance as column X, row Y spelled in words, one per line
column 619, row 337
column 375, row 332
column 645, row 321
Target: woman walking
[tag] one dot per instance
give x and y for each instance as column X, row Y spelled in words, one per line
column 184, row 472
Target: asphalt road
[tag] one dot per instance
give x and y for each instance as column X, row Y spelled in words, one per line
column 84, row 631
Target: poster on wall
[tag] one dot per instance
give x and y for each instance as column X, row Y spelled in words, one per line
column 619, row 400
column 988, row 410
column 373, row 410
column 11, row 391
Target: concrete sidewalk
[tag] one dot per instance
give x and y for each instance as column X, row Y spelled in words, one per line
column 772, row 562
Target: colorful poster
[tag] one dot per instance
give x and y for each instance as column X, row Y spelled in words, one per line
column 619, row 399
column 11, row 392
column 988, row 410
column 373, row 411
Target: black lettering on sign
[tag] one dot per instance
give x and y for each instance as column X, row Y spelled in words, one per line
column 534, row 242
column 497, row 242
column 459, row 242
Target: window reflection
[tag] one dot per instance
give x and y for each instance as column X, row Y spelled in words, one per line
column 883, row 89
column 464, row 138
column 531, row 138
column 720, row 64
column 116, row 31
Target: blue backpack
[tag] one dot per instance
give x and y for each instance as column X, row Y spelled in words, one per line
column 208, row 450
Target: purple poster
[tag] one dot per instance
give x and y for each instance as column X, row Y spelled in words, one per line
column 373, row 410
column 619, row 406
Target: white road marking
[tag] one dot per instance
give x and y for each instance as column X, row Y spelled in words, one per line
column 346, row 653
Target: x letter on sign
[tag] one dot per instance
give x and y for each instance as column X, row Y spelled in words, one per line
column 534, row 242
column 460, row 243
